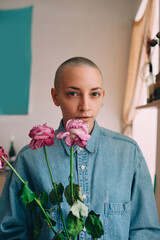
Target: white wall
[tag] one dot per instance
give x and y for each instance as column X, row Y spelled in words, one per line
column 97, row 29
column 145, row 133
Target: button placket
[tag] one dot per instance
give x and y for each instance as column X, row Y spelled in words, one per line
column 82, row 156
column 84, row 196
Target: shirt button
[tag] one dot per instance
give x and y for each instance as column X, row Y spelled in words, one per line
column 81, row 149
column 84, row 196
column 83, row 167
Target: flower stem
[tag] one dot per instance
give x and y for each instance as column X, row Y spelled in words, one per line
column 55, row 189
column 37, row 201
column 71, row 173
column 13, row 170
column 45, row 151
column 48, row 220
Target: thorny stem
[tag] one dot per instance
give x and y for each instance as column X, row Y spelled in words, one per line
column 13, row 170
column 55, row 189
column 49, row 221
column 71, row 173
column 37, row 201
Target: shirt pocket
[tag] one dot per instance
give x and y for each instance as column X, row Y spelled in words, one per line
column 116, row 221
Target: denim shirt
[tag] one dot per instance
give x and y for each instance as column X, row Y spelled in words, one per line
column 115, row 183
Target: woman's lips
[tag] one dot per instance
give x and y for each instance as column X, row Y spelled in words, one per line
column 84, row 119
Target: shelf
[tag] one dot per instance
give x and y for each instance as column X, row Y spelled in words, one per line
column 155, row 103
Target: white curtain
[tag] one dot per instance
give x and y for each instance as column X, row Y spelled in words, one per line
column 141, row 30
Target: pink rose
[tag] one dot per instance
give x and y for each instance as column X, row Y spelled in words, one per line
column 2, row 154
column 41, row 135
column 76, row 133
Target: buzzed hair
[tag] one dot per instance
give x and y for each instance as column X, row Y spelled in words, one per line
column 73, row 62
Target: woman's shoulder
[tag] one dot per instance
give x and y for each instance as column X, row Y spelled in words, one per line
column 117, row 137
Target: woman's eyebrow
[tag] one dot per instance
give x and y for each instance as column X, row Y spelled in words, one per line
column 92, row 89
column 96, row 88
column 75, row 88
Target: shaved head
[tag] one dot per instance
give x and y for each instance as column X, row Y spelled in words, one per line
column 72, row 62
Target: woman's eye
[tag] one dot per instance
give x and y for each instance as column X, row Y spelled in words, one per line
column 72, row 94
column 95, row 94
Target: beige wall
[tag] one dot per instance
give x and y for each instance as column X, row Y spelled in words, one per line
column 97, row 29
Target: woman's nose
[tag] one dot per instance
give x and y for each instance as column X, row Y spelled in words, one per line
column 84, row 104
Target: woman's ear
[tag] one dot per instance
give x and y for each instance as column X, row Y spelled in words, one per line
column 54, row 95
column 103, row 93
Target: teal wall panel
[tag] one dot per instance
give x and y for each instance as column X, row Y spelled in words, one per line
column 15, row 60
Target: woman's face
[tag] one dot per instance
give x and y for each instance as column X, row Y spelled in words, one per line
column 80, row 94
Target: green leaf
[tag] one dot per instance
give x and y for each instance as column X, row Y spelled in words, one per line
column 77, row 193
column 37, row 227
column 79, row 209
column 51, row 219
column 75, row 225
column 26, row 194
column 43, row 196
column 93, row 225
column 59, row 236
column 52, row 209
column 53, row 197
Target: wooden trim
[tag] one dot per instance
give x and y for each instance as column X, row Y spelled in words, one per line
column 155, row 103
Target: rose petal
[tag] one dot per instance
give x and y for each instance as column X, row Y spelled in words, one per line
column 76, row 133
column 69, row 141
column 62, row 134
column 41, row 135
column 2, row 154
column 85, row 137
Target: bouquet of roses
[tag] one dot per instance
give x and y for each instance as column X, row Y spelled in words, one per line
column 78, row 217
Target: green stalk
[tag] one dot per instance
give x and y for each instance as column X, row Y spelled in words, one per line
column 13, row 170
column 71, row 173
column 37, row 201
column 44, row 147
column 49, row 221
column 55, row 189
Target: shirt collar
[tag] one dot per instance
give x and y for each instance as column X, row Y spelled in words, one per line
column 92, row 144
